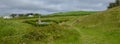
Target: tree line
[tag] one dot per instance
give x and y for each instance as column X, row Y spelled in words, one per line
column 25, row 15
column 117, row 3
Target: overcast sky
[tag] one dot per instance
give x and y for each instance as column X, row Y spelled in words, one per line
column 50, row 6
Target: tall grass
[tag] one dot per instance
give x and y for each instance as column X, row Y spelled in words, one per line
column 12, row 32
column 100, row 28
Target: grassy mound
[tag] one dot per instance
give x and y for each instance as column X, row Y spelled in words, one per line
column 13, row 32
column 111, row 16
column 51, row 34
column 72, row 13
column 100, row 28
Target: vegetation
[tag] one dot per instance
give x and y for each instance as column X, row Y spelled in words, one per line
column 99, row 28
column 13, row 32
column 25, row 15
column 13, row 15
column 71, row 13
column 117, row 3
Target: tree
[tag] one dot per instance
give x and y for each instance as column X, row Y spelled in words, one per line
column 21, row 15
column 37, row 15
column 13, row 15
column 117, row 3
column 29, row 14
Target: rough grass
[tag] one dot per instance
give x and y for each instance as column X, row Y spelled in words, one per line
column 14, row 32
column 11, row 32
column 72, row 13
column 100, row 28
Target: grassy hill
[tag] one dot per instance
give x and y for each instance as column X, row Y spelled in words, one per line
column 72, row 13
column 17, row 32
column 100, row 28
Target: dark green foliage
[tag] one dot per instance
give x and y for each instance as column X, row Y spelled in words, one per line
column 32, row 22
column 29, row 14
column 21, row 15
column 37, row 15
column 117, row 3
column 13, row 15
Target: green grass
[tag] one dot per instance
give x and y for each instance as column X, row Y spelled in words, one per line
column 11, row 32
column 17, row 32
column 98, row 28
column 71, row 13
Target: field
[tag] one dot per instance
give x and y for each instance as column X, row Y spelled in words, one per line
column 91, row 28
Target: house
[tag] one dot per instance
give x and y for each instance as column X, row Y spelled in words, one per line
column 30, row 16
column 7, row 17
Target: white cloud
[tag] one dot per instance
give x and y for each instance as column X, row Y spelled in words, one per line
column 48, row 6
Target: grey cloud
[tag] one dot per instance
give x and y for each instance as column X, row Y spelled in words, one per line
column 49, row 6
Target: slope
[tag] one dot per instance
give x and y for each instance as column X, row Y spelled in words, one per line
column 100, row 28
column 72, row 13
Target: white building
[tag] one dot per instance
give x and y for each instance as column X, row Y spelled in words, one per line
column 30, row 16
column 7, row 17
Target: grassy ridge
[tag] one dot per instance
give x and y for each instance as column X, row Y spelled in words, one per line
column 15, row 32
column 11, row 32
column 100, row 28
column 71, row 13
